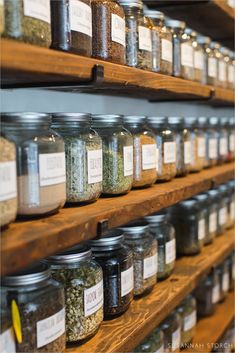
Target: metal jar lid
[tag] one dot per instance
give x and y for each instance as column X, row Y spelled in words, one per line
column 112, row 238
column 135, row 228
column 190, row 32
column 175, row 24
column 214, row 45
column 102, row 120
column 156, row 15
column 176, row 121
column 201, row 198
column 223, row 189
column 156, row 218
column 202, row 121
column 190, row 121
column 224, row 121
column 71, row 117
column 71, row 255
column 214, row 121
column 26, row 117
column 203, row 40
column 134, row 119
column 213, row 193
column 132, row 3
column 156, row 121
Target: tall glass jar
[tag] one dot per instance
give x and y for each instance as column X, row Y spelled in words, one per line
column 213, row 141
column 188, row 313
column 213, row 200
column 171, row 328
column 144, row 249
column 222, row 209
column 212, row 64
column 203, row 223
column 40, row 303
column 108, row 38
column 116, row 260
column 222, row 67
column 117, row 154
column 203, row 294
column 231, row 70
column 164, row 233
column 41, row 178
column 187, row 54
column 82, row 280
column 203, row 143
column 199, row 68
column 166, row 148
column 204, row 43
column 166, row 50
column 145, row 151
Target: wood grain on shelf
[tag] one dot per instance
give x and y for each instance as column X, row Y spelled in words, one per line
column 223, row 95
column 26, row 241
column 124, row 333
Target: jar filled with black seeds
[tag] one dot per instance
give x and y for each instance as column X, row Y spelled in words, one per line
column 187, row 54
column 213, row 201
column 204, row 43
column 171, row 328
column 204, row 297
column 116, row 261
column 188, row 313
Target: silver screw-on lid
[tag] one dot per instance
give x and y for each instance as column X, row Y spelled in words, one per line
column 101, row 120
column 203, row 40
column 71, row 255
column 26, row 117
column 135, row 228
column 134, row 119
column 156, row 217
column 71, row 117
column 132, row 3
column 175, row 24
column 34, row 274
column 111, row 238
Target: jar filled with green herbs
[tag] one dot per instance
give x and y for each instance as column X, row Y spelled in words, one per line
column 117, row 154
column 144, row 249
column 171, row 328
column 164, row 233
column 203, row 222
column 28, row 21
column 204, row 295
column 188, row 313
column 83, row 154
column 82, row 279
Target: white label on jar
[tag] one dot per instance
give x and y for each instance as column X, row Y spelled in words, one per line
column 127, row 281
column 52, row 168
column 222, row 72
column 128, row 160
column 169, row 152
column 222, row 216
column 231, row 143
column 49, row 329
column 150, row 266
column 148, row 156
column 212, row 148
column 186, row 55
column 1, row 2
column 198, row 60
column 157, row 158
column 118, row 30
column 231, row 3
column 213, row 222
column 167, row 52
column 232, row 210
column 190, row 321
column 7, row 341
column 160, row 350
column 230, row 74
column 212, row 70
column 176, row 338
column 215, row 294
column 95, row 166
column 223, row 146
column 145, row 39
column 38, row 9
column 7, row 180
column 225, row 282
column 80, row 17
column 93, row 299
column 201, row 229
column 201, row 147
column 187, row 152
column 170, row 251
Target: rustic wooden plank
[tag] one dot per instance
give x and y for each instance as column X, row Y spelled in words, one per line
column 124, row 333
column 223, row 96
column 26, row 241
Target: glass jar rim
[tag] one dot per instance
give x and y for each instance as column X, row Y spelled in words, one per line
column 132, row 3
column 156, row 218
column 157, row 121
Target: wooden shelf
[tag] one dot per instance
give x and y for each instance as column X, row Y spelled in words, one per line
column 210, row 330
column 223, row 96
column 124, row 333
column 26, row 241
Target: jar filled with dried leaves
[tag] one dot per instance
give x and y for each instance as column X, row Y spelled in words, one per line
column 187, row 54
column 198, row 145
column 188, row 312
column 213, row 201
column 204, row 43
column 171, row 328
column 41, row 305
column 145, row 151
column 166, row 50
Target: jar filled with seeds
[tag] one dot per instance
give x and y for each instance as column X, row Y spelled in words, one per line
column 166, row 148
column 8, row 189
column 222, row 66
column 154, row 343
column 223, row 140
column 117, row 146
column 171, row 328
column 188, row 313
column 187, row 54
column 213, row 200
column 213, row 141
column 203, row 145
column 222, row 209
column 199, row 61
column 231, row 133
column 145, row 151
column 83, row 154
column 204, row 43
column 212, row 64
column 7, row 338
column 28, row 21
column 72, row 26
column 41, row 178
column 144, row 249
column 116, row 261
column 204, row 297
column 82, row 280
column 164, row 233
column 41, row 305
column 231, row 70
column 108, row 31
column 203, row 223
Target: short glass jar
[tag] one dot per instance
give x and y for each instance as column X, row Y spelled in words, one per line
column 203, row 223
column 145, row 151
column 8, row 189
column 213, row 141
column 213, row 201
column 116, row 260
column 203, row 294
column 223, row 140
column 203, row 142
column 82, row 280
column 41, row 178
column 187, row 54
column 166, row 50
column 71, row 26
column 204, row 43
column 7, row 337
column 145, row 257
column 171, row 328
column 164, row 233
column 83, row 154
column 199, row 61
column 117, row 146
column 28, row 21
column 40, row 302
column 188, row 313
column 212, row 64
column 222, row 67
column 109, row 37
column 166, row 148
column 231, row 133
column 222, row 209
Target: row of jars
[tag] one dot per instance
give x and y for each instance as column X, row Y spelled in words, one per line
column 67, row 157
column 126, row 34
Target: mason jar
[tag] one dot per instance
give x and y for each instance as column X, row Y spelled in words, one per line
column 213, row 141
column 231, row 203
column 213, row 200
column 231, row 132
column 166, row 148
column 166, row 50
column 188, row 313
column 204, row 297
column 203, row 140
column 117, row 146
column 231, row 271
column 223, row 140
column 199, row 61
column 82, row 280
column 171, row 328
column 212, row 64
column 154, row 343
column 216, row 291
column 7, row 337
column 203, row 222
column 41, row 179
column 41, row 306
column 187, row 54
column 116, row 260
column 231, row 70
column 164, row 233
column 145, row 151
column 224, row 279
column 222, row 209
column 204, row 43
column 222, row 67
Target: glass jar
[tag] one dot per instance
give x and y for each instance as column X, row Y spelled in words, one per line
column 187, row 54
column 109, row 37
column 203, row 295
column 145, row 155
column 212, row 64
column 231, row 133
column 197, row 142
column 145, row 260
column 83, row 154
column 231, row 203
column 203, row 43
column 231, row 271
column 224, row 140
column 116, row 260
column 216, row 291
column 154, row 343
column 166, row 148
column 166, row 50
column 117, row 154
column 188, row 313
column 171, row 328
column 203, row 140
column 8, row 190
column 7, row 338
column 164, row 233
column 213, row 200
column 203, row 223
column 222, row 67
column 40, row 302
column 231, row 70
column 72, row 26
column 82, row 280
column 213, row 141
column 199, row 68
column 183, row 145
column 28, row 21
column 41, row 179
column 222, row 209
column 225, row 278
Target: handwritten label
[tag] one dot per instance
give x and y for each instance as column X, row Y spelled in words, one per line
column 198, row 60
column 213, row 148
column 52, row 168
column 127, row 281
column 212, row 69
column 95, row 166
column 187, row 152
column 186, row 55
column 169, row 152
column 201, row 147
column 145, row 39
column 190, row 321
column 128, row 160
column 213, row 222
column 93, row 299
column 49, row 329
column 148, row 156
column 170, row 251
column 80, row 17
column 150, row 266
column 118, row 30
column 167, row 51
column 201, row 229
column 7, row 342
